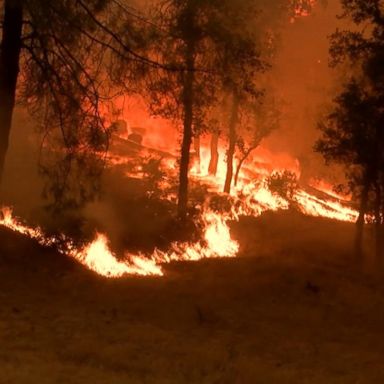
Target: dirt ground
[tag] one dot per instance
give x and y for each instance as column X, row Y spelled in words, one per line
column 289, row 309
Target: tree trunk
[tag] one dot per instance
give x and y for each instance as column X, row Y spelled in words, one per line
column 241, row 162
column 381, row 261
column 232, row 143
column 196, row 147
column 212, row 169
column 187, row 132
column 378, row 224
column 360, row 222
column 9, row 70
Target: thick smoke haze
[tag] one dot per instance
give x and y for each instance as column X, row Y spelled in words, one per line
column 306, row 84
column 22, row 185
column 301, row 77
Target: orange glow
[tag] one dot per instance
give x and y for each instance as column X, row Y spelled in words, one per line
column 7, row 220
column 323, row 186
column 217, row 242
column 251, row 197
column 303, row 8
column 98, row 257
column 313, row 206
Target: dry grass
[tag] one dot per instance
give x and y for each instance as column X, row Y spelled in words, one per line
column 289, row 310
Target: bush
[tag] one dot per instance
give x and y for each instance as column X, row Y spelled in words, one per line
column 153, row 175
column 283, row 184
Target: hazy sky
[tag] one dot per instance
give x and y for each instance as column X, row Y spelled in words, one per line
column 305, row 82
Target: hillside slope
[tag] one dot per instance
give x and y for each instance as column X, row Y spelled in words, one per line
column 290, row 309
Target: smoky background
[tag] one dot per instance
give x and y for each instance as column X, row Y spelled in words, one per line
column 303, row 81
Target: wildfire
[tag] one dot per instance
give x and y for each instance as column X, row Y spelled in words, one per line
column 250, row 197
column 328, row 189
column 313, row 206
column 253, row 197
column 217, row 242
column 7, row 220
column 98, row 257
column 303, row 8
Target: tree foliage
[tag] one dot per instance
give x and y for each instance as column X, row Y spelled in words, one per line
column 67, row 51
column 353, row 132
column 284, row 184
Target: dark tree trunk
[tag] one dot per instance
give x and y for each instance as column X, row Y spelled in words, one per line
column 241, row 162
column 360, row 222
column 196, row 147
column 212, row 169
column 381, row 234
column 378, row 224
column 187, row 132
column 9, row 70
column 232, row 143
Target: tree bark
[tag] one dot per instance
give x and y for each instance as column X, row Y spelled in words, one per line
column 196, row 147
column 187, row 131
column 232, row 142
column 9, row 71
column 361, row 221
column 381, row 234
column 213, row 162
column 241, row 162
column 378, row 224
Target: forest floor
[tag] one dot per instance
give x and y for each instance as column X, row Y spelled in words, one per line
column 290, row 309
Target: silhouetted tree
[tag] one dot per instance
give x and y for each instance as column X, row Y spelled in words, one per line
column 54, row 60
column 351, row 137
column 213, row 49
column 9, row 69
column 187, row 40
column 264, row 21
column 261, row 118
column 353, row 132
column 244, row 54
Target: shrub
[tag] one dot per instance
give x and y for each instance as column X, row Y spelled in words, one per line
column 283, row 183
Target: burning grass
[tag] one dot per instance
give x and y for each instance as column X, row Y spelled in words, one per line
column 216, row 241
column 98, row 256
column 144, row 199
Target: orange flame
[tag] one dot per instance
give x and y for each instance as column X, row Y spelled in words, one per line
column 217, row 242
column 251, row 198
column 98, row 257
column 313, row 206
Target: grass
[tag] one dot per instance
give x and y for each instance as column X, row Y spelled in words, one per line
column 289, row 309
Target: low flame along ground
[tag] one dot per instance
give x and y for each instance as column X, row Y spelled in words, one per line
column 252, row 198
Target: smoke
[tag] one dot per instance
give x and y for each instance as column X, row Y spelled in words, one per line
column 22, row 187
column 306, row 84
column 302, row 79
